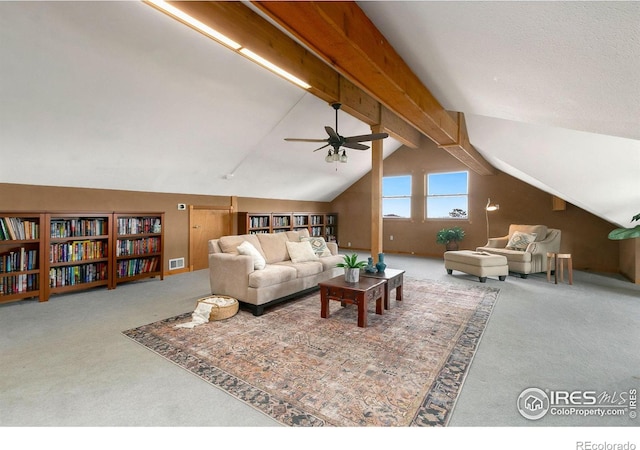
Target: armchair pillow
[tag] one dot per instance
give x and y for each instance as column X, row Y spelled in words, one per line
column 301, row 251
column 246, row 248
column 520, row 241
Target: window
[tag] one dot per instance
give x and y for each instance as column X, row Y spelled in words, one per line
column 396, row 197
column 448, row 195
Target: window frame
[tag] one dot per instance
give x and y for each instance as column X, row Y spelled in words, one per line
column 451, row 195
column 408, row 196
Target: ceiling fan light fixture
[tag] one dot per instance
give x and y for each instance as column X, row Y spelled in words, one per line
column 343, row 157
column 329, row 157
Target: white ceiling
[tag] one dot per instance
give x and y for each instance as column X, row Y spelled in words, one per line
column 117, row 95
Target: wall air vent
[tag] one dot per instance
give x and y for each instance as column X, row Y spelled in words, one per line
column 177, row 263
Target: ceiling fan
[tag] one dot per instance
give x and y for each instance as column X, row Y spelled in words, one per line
column 336, row 141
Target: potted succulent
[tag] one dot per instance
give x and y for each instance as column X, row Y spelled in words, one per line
column 450, row 237
column 352, row 268
column 626, row 233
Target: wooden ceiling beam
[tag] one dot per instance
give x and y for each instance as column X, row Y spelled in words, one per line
column 341, row 34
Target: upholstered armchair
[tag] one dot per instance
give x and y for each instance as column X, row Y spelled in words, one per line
column 525, row 247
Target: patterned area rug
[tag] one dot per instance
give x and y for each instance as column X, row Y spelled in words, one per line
column 405, row 369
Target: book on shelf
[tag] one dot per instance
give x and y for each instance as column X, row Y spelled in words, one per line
column 77, row 251
column 15, row 229
column 18, row 260
column 125, row 247
column 75, row 275
column 139, row 225
column 78, row 227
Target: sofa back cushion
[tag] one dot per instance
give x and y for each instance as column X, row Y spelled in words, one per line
column 539, row 230
column 297, row 235
column 229, row 244
column 274, row 247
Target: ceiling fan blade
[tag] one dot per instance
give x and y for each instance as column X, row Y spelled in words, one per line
column 304, row 140
column 366, row 137
column 355, row 146
column 326, row 145
column 331, row 133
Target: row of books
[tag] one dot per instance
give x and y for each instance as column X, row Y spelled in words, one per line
column 317, row 220
column 132, row 267
column 316, row 231
column 138, row 225
column 19, row 260
column 15, row 228
column 78, row 251
column 64, row 228
column 18, row 284
column 259, row 221
column 125, row 247
column 73, row 275
column 281, row 221
column 300, row 220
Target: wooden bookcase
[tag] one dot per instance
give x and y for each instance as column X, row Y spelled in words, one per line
column 79, row 251
column 319, row 224
column 21, row 256
column 138, row 246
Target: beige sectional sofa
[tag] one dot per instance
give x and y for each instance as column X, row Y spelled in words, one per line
column 282, row 268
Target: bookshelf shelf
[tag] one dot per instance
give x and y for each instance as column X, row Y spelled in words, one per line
column 318, row 224
column 138, row 246
column 21, row 256
column 79, row 249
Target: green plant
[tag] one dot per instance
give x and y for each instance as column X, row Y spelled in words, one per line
column 626, row 233
column 351, row 262
column 446, row 235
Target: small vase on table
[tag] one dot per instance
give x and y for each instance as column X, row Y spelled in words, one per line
column 380, row 264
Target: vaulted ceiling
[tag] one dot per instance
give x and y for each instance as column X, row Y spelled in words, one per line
column 118, row 95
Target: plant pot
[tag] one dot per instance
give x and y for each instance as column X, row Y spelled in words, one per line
column 351, row 275
column 452, row 246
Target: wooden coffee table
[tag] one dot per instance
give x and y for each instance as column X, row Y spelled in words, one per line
column 359, row 294
column 394, row 279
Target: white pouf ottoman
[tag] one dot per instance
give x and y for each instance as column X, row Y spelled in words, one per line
column 480, row 264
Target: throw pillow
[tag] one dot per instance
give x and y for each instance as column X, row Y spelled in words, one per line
column 318, row 244
column 520, row 241
column 246, row 248
column 301, row 251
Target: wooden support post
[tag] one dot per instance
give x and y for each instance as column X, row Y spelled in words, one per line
column 376, row 194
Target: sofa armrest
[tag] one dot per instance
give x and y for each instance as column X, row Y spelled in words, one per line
column 229, row 274
column 499, row 242
column 333, row 247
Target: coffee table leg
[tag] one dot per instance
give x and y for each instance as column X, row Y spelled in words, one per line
column 324, row 303
column 362, row 310
column 387, row 294
column 399, row 292
column 379, row 303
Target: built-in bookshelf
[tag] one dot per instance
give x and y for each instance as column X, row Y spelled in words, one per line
column 47, row 253
column 20, row 256
column 78, row 247
column 138, row 246
column 319, row 224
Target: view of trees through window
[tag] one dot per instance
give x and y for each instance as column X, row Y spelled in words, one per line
column 448, row 195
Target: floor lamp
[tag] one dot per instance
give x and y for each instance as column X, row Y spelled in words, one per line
column 488, row 208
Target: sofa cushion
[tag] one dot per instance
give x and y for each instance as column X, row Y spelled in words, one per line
column 304, row 269
column 246, row 248
column 330, row 262
column 539, row 230
column 271, row 275
column 520, row 241
column 301, row 252
column 274, row 247
column 318, row 244
column 297, row 235
column 229, row 244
